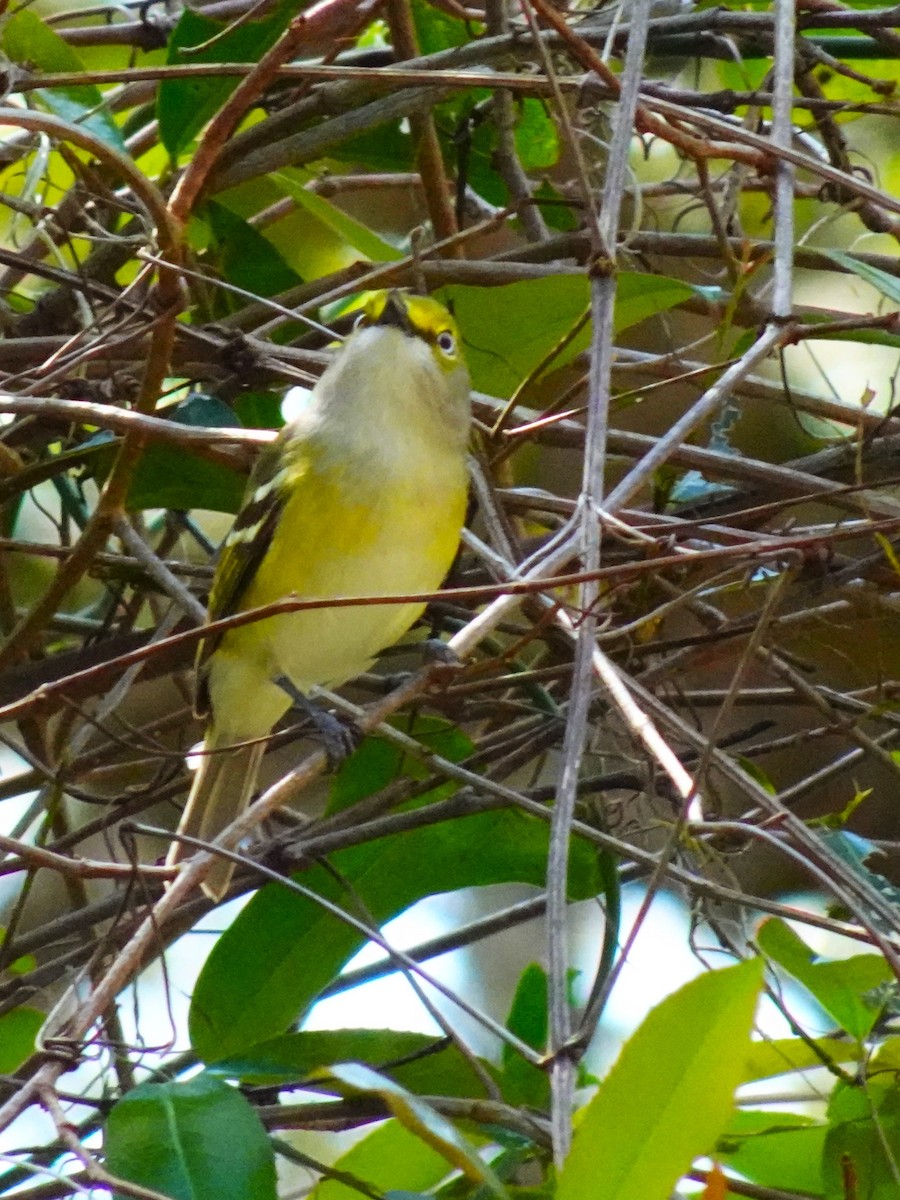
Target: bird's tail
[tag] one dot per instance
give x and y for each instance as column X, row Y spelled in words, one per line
column 221, row 790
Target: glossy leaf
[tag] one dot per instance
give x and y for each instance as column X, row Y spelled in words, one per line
column 168, row 476
column 196, row 1140
column 245, row 257
column 377, row 761
column 670, row 1093
column 846, row 989
column 283, row 949
column 30, row 41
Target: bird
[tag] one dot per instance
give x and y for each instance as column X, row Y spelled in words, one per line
column 363, row 493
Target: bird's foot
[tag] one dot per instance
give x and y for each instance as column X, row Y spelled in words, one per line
column 339, row 739
column 436, row 651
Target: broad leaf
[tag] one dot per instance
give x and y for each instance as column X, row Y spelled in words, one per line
column 184, row 105
column 357, row 235
column 522, row 1082
column 392, row 1160
column 777, row 1150
column 862, row 1145
column 510, row 330
column 670, row 1093
column 417, row 1061
column 30, row 41
column 197, row 1140
column 283, row 948
column 848, row 989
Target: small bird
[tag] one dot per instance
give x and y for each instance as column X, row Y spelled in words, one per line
column 362, row 494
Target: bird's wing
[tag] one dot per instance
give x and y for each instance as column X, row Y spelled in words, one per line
column 247, row 543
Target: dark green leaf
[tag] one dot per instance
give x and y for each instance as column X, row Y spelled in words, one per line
column 30, row 41
column 167, row 477
column 284, row 949
column 387, row 148
column 377, row 762
column 259, row 410
column 522, row 1082
column 557, row 212
column 184, row 105
column 417, row 1061
column 245, row 257
column 197, row 1140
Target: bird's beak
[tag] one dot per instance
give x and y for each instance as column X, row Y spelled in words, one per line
column 395, row 314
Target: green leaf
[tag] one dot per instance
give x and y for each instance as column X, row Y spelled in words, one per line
column 184, row 105
column 259, row 410
column 283, row 949
column 508, row 331
column 420, row 1119
column 31, row 42
column 522, row 1082
column 670, row 1093
column 18, row 1029
column 391, row 1159
column 245, row 257
column 387, row 148
column 776, row 1150
column 197, row 1140
column 435, row 29
column 537, row 141
column 378, row 762
column 888, row 285
column 169, row 476
column 846, row 989
column 785, row 1056
column 556, row 210
column 354, row 233
column 423, row 1063
column 863, row 1141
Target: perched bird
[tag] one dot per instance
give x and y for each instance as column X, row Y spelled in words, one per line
column 363, row 494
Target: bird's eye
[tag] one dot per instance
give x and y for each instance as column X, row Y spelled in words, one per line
column 361, row 321
column 446, row 342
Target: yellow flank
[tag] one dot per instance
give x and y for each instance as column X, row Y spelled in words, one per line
column 397, row 540
column 363, row 494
